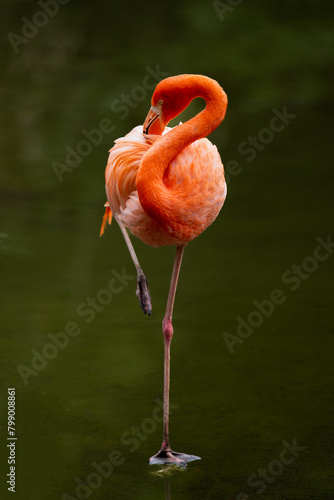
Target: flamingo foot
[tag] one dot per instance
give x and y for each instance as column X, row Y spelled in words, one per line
column 143, row 294
column 172, row 457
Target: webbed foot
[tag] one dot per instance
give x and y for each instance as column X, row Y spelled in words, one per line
column 143, row 294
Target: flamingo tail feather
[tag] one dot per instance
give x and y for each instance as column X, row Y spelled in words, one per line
column 106, row 218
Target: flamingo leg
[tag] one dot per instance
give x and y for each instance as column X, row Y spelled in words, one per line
column 166, row 455
column 142, row 292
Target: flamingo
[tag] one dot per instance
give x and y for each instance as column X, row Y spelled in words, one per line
column 167, row 185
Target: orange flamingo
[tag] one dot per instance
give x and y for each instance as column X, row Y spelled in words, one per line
column 167, row 185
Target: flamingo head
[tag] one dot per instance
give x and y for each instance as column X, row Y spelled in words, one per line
column 171, row 96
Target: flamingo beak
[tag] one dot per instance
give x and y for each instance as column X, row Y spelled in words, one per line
column 153, row 123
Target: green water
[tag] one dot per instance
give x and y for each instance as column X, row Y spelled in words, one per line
column 95, row 400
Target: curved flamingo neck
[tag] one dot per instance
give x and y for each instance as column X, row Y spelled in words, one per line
column 155, row 197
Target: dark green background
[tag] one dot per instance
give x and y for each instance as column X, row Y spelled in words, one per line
column 234, row 409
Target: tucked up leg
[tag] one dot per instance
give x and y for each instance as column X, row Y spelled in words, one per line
column 142, row 292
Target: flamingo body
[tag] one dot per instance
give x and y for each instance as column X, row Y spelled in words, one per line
column 195, row 178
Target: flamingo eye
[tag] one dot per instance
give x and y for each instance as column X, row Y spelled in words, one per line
column 160, row 102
